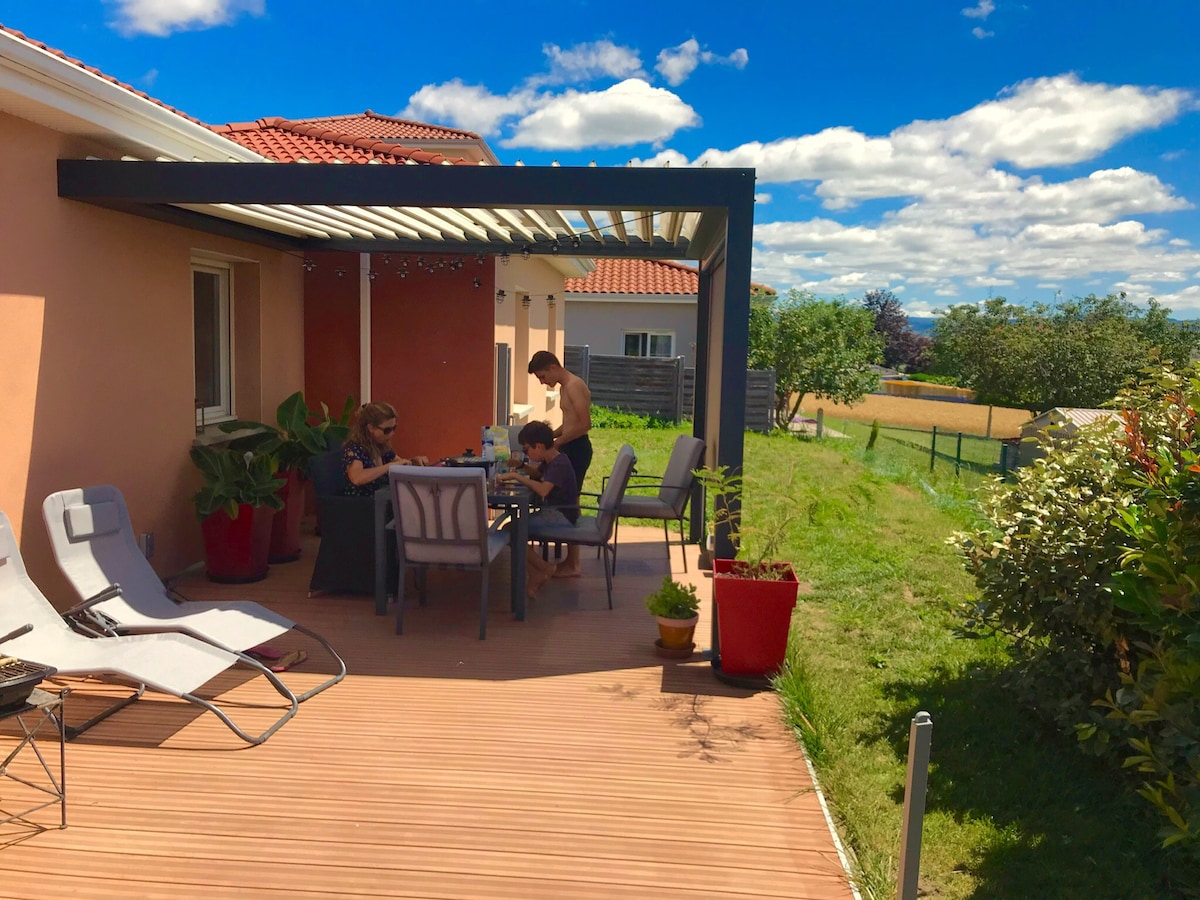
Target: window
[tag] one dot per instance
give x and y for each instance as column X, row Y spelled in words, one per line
column 650, row 343
column 213, row 351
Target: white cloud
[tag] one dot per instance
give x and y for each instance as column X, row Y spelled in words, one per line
column 162, row 17
column 676, row 64
column 981, row 10
column 149, row 78
column 469, row 106
column 762, row 197
column 980, row 32
column 631, row 112
column 587, row 61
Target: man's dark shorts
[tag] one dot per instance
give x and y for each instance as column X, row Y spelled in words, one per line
column 579, row 452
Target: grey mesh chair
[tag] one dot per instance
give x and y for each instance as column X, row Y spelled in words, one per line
column 442, row 521
column 673, row 487
column 599, row 530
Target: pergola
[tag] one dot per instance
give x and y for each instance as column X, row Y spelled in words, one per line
column 698, row 214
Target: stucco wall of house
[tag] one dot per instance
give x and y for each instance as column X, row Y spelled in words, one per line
column 602, row 324
column 432, row 353
column 529, row 330
column 97, row 383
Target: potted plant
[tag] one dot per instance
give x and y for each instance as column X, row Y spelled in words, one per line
column 753, row 596
column 298, row 435
column 676, row 607
column 236, row 507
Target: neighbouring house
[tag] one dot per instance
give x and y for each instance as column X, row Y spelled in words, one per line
column 158, row 275
column 635, row 307
column 1058, row 426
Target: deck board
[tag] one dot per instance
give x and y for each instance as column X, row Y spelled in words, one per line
column 558, row 759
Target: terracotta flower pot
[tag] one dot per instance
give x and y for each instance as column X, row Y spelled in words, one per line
column 236, row 550
column 285, row 524
column 676, row 633
column 753, row 618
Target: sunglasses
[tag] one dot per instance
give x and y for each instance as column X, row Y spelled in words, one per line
column 387, row 430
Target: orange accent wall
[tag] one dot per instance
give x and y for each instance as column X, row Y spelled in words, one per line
column 98, row 355
column 433, row 352
column 331, row 331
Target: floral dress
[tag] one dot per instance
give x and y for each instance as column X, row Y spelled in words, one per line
column 352, row 452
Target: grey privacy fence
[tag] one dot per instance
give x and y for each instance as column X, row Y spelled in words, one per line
column 651, row 386
column 760, row 397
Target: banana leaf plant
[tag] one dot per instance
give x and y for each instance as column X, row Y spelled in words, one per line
column 292, row 439
column 233, row 477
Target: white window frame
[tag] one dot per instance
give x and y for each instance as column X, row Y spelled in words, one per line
column 224, row 411
column 647, row 334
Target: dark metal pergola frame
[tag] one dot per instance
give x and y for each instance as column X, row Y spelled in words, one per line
column 721, row 243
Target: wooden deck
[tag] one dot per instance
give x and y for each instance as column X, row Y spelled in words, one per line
column 558, row 759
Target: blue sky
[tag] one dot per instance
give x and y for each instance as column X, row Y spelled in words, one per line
column 946, row 151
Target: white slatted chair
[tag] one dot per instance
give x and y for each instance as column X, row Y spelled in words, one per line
column 442, row 522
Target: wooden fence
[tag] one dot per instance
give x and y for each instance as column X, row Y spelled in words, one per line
column 652, row 386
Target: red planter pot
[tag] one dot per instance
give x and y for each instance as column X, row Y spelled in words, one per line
column 236, row 549
column 285, row 526
column 753, row 618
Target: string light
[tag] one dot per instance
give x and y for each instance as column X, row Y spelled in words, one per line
column 341, row 271
column 500, row 295
column 525, row 301
column 504, row 258
column 476, row 283
column 550, row 300
column 372, row 274
column 309, row 264
column 525, row 252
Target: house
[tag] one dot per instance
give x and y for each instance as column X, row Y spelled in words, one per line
column 158, row 275
column 638, row 307
column 635, row 307
column 1056, row 426
column 521, row 327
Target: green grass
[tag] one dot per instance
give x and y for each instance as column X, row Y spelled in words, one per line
column 1014, row 810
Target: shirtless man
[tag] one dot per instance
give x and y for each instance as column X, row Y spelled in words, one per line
column 571, row 438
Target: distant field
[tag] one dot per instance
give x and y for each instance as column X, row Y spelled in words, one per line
column 968, row 418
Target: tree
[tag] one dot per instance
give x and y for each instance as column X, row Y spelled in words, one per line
column 903, row 348
column 1077, row 353
column 821, row 347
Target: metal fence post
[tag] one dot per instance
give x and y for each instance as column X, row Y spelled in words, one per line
column 920, row 734
column 958, row 456
column 820, row 423
column 1003, row 461
column 933, row 449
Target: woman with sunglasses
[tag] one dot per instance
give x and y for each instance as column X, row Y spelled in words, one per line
column 368, row 452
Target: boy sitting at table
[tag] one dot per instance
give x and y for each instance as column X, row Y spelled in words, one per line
column 556, row 486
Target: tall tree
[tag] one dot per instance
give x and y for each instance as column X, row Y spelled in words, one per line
column 821, row 347
column 1077, row 353
column 903, row 348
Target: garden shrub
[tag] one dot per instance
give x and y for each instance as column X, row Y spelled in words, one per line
column 604, row 417
column 1091, row 562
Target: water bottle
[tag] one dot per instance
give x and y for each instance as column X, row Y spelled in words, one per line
column 489, row 446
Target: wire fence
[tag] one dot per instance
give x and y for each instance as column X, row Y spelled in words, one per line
column 941, row 447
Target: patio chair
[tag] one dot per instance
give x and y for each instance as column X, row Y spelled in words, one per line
column 352, row 535
column 674, row 489
column 442, row 521
column 173, row 664
column 93, row 541
column 598, row 530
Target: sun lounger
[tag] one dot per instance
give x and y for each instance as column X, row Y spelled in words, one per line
column 94, row 544
column 170, row 663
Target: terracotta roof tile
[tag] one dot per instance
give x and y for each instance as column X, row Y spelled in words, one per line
column 636, row 276
column 314, row 141
column 82, row 65
column 371, row 124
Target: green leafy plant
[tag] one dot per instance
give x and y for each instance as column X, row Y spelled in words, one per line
column 233, row 477
column 604, row 417
column 295, row 438
column 673, row 600
column 724, row 487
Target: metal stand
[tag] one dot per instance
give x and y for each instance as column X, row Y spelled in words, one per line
column 49, row 708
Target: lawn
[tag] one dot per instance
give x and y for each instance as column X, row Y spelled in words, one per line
column 1014, row 810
